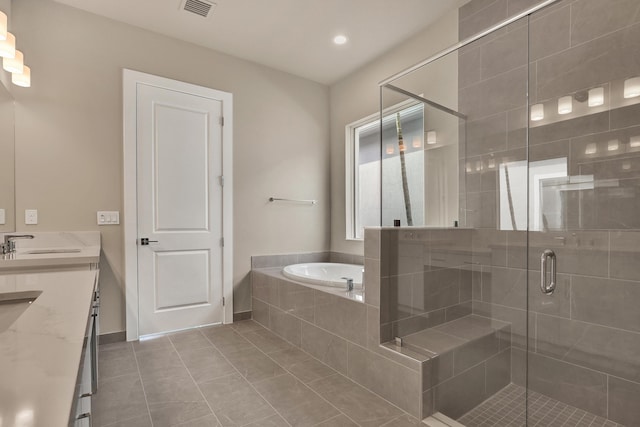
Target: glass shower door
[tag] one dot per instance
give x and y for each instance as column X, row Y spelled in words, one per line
column 456, row 287
column 528, row 312
column 584, row 216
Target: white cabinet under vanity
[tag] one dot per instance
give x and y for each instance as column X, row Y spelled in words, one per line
column 49, row 302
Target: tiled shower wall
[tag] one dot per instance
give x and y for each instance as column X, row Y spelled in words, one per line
column 584, row 340
column 426, row 279
column 426, row 287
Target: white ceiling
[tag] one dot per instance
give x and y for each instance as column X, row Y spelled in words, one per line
column 290, row 35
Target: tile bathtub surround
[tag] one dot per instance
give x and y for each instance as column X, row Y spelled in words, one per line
column 282, row 260
column 341, row 333
column 201, row 378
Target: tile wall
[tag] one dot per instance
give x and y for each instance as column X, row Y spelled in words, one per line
column 426, row 290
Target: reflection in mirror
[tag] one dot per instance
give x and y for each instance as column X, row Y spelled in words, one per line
column 7, row 197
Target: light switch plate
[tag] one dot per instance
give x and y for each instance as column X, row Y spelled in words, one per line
column 31, row 216
column 3, row 219
column 108, row 217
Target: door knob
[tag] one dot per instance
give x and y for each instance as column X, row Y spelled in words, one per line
column 144, row 241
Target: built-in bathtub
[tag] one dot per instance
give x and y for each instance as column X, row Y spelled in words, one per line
column 330, row 274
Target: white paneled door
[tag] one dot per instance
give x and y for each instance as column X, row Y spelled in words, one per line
column 179, row 201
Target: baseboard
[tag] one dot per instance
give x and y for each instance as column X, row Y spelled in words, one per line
column 243, row 315
column 113, row 337
column 122, row 336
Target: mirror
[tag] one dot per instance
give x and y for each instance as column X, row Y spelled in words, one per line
column 7, row 151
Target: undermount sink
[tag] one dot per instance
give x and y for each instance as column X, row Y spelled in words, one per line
column 13, row 304
column 52, row 251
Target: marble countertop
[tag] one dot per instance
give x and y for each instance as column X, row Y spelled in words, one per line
column 53, row 249
column 40, row 352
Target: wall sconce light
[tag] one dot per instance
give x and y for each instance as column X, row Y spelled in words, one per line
column 565, row 105
column 3, row 26
column 8, row 46
column 479, row 166
column 596, row 96
column 14, row 65
column 613, row 145
column 468, row 168
column 626, row 166
column 12, row 59
column 432, row 137
column 22, row 79
column 632, row 87
column 491, row 164
column 591, row 149
column 417, row 142
column 537, row 112
column 634, row 141
column 390, row 149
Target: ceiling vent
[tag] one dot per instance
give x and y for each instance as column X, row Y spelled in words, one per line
column 199, row 7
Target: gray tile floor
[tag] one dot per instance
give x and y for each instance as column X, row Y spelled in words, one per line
column 236, row 375
column 506, row 409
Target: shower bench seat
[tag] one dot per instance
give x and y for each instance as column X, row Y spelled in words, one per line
column 469, row 360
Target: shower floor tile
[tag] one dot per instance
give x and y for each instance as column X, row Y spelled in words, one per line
column 507, row 409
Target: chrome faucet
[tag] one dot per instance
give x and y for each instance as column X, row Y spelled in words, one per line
column 9, row 244
column 349, row 283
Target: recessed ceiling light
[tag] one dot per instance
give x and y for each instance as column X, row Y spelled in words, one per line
column 340, row 39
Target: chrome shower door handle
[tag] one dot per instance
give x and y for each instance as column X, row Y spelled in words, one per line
column 547, row 289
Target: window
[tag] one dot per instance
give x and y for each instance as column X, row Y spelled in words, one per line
column 368, row 180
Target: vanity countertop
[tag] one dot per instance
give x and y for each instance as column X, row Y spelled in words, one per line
column 40, row 352
column 53, row 249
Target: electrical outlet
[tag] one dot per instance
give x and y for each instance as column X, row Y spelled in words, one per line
column 108, row 217
column 31, row 216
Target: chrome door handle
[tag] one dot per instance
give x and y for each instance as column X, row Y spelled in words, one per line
column 547, row 289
